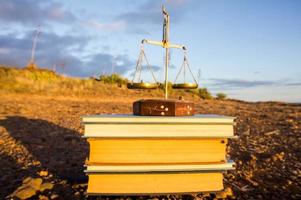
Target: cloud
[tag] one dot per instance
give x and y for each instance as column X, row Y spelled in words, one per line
column 114, row 26
column 132, row 21
column 293, row 84
column 146, row 73
column 172, row 66
column 154, row 68
column 33, row 12
column 148, row 15
column 103, row 63
column 53, row 49
column 238, row 83
column 177, row 2
column 143, row 18
column 138, row 21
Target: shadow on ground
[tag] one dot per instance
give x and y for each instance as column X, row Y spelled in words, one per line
column 12, row 174
column 59, row 150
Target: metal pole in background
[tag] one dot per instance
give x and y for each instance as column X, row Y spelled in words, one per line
column 34, row 44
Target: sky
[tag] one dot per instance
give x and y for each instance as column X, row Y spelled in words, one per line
column 247, row 49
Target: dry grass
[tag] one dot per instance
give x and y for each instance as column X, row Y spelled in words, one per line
column 46, row 82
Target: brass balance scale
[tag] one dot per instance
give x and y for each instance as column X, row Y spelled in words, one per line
column 162, row 107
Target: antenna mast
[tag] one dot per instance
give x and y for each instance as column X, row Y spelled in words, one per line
column 32, row 64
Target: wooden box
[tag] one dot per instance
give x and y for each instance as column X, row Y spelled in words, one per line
column 163, row 107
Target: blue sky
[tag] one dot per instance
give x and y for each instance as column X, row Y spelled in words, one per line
column 248, row 49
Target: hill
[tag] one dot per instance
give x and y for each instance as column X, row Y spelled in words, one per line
column 47, row 82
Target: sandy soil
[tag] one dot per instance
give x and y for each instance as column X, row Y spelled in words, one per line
column 40, row 137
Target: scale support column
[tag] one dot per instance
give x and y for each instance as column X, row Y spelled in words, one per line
column 166, row 71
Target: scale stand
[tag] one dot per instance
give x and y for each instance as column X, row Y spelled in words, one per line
column 163, row 107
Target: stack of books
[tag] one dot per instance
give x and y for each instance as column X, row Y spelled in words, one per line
column 156, row 155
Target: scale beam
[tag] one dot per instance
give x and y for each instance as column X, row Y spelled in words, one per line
column 152, row 42
column 176, row 46
column 163, row 44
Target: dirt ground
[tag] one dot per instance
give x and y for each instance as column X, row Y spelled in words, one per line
column 40, row 137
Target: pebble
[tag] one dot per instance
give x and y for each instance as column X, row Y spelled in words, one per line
column 46, row 186
column 54, row 196
column 42, row 197
column 43, row 173
column 29, row 188
column 224, row 194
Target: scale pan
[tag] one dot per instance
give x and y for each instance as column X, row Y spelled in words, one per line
column 142, row 85
column 185, row 86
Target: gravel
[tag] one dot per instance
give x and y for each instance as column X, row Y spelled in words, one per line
column 40, row 137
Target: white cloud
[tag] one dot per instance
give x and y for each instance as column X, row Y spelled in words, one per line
column 33, row 12
column 177, row 2
column 114, row 26
column 4, row 51
column 268, row 93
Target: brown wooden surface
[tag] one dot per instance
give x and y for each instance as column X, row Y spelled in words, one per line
column 163, row 107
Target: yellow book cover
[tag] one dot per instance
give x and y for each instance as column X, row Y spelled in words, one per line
column 155, row 183
column 159, row 150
